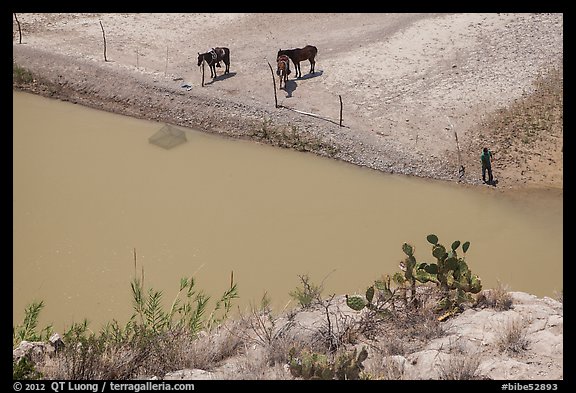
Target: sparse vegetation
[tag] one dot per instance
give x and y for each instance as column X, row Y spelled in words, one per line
column 498, row 298
column 291, row 137
column 538, row 115
column 512, row 338
column 385, row 366
column 528, row 134
column 309, row 294
column 460, row 366
column 21, row 75
column 24, row 368
column 559, row 295
column 28, row 329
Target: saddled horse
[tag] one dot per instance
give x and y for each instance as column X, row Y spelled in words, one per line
column 283, row 69
column 300, row 54
column 214, row 57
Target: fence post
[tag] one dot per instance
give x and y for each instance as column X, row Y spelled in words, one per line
column 19, row 29
column 104, row 37
column 340, row 109
column 274, row 83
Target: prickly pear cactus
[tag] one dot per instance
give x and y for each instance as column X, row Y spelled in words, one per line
column 348, row 365
column 356, row 302
column 433, row 239
column 310, row 365
column 378, row 297
column 450, row 272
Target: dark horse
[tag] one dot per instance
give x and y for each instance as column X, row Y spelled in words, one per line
column 300, row 54
column 213, row 58
column 283, row 69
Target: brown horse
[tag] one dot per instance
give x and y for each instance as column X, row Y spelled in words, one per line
column 300, row 54
column 283, row 69
column 214, row 57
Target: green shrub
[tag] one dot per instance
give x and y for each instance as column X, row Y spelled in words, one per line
column 21, row 75
column 308, row 294
column 24, row 369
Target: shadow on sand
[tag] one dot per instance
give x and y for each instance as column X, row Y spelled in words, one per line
column 291, row 85
column 310, row 76
column 221, row 78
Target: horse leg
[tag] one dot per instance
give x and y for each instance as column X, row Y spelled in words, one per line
column 227, row 67
column 297, row 66
column 312, row 64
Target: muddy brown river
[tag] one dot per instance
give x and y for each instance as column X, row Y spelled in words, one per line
column 89, row 189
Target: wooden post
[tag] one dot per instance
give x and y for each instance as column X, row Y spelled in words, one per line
column 461, row 169
column 340, row 109
column 274, row 83
column 19, row 29
column 104, row 36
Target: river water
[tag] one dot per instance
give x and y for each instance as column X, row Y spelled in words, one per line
column 89, row 190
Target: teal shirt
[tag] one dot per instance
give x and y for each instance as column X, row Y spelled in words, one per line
column 485, row 159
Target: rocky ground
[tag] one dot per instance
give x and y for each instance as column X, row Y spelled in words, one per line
column 410, row 83
column 516, row 338
column 522, row 343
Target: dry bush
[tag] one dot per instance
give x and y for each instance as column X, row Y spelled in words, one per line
column 292, row 137
column 278, row 352
column 460, row 366
column 277, row 338
column 462, row 362
column 97, row 358
column 142, row 355
column 93, row 358
column 256, row 367
column 409, row 329
column 403, row 327
column 384, row 365
column 337, row 329
column 261, row 329
column 559, row 296
column 209, row 350
column 512, row 338
column 498, row 298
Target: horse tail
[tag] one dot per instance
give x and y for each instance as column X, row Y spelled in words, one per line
column 314, row 51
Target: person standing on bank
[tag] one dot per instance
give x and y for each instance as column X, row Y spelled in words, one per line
column 486, row 158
